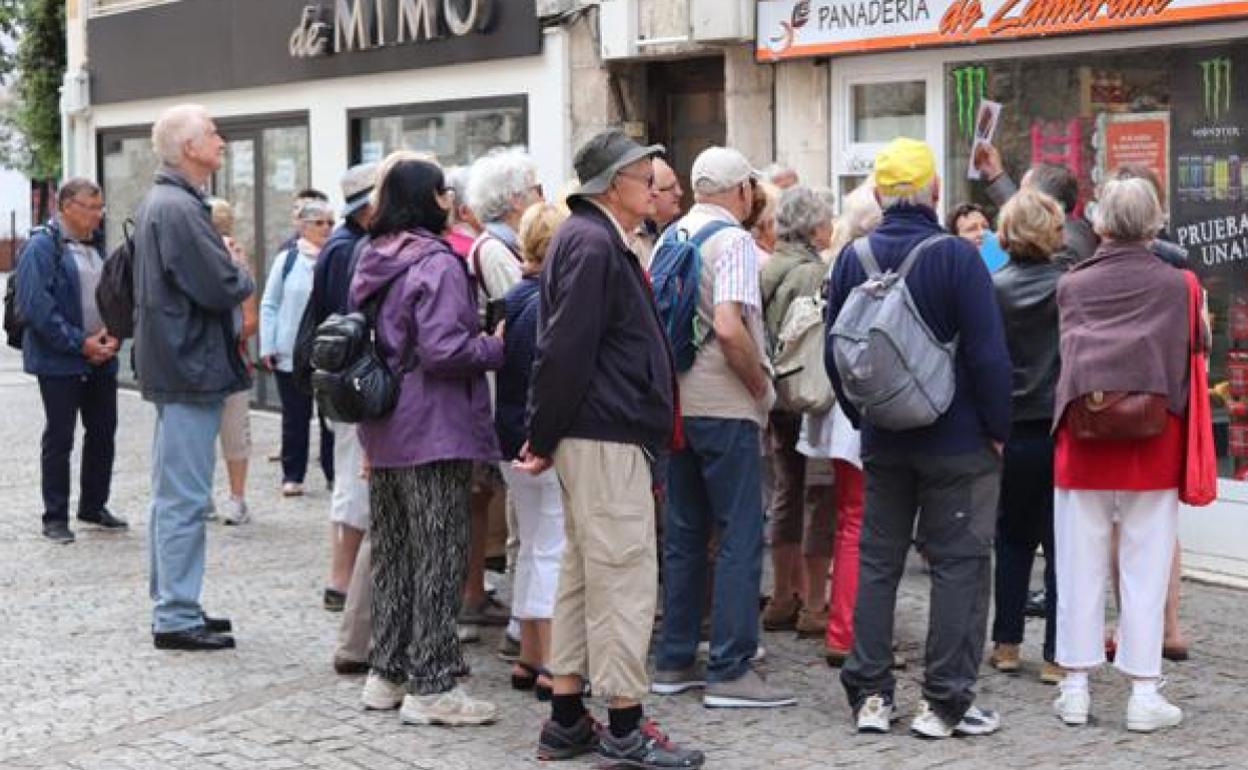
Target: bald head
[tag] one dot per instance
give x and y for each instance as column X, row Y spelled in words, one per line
column 668, row 194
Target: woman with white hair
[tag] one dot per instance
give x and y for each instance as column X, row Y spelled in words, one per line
column 801, row 523
column 501, row 187
column 463, row 226
column 285, row 296
column 1122, row 395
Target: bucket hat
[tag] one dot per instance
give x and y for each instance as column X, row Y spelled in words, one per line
column 600, row 159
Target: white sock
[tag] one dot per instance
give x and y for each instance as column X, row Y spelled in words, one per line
column 1146, row 688
column 1075, row 681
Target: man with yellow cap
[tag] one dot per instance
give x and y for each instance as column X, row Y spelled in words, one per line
column 947, row 471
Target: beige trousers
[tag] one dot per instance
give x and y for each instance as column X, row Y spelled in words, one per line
column 608, row 578
column 355, row 633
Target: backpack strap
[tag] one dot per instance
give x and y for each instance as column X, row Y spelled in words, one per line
column 913, row 256
column 356, row 251
column 866, row 257
column 708, row 231
column 291, row 255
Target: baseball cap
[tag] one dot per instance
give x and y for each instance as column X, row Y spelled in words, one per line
column 599, row 159
column 356, row 185
column 904, row 166
column 721, row 168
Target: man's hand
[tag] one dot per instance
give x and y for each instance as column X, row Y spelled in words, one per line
column 531, row 463
column 988, row 161
column 999, row 448
column 98, row 350
column 269, row 362
column 237, row 253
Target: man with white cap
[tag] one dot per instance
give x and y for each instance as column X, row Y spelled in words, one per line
column 600, row 409
column 348, row 514
column 714, row 482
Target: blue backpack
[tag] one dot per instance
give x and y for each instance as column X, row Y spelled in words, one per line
column 676, row 276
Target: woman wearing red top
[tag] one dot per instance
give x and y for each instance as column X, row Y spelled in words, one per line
column 1124, row 327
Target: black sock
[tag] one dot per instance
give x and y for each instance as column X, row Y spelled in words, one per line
column 566, row 710
column 624, row 721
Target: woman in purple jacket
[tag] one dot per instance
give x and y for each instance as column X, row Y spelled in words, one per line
column 421, row 454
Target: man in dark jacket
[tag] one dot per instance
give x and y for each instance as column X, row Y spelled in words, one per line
column 600, row 408
column 67, row 347
column 186, row 287
column 949, row 470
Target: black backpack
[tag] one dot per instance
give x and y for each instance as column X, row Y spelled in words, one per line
column 115, row 294
column 302, row 367
column 351, row 381
column 14, row 324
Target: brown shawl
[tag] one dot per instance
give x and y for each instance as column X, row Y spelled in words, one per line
column 1123, row 319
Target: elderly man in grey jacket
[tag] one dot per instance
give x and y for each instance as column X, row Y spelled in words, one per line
column 187, row 286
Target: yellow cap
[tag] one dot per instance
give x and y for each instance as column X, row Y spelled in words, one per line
column 904, row 166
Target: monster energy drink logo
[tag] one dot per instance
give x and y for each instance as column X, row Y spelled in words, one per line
column 969, row 83
column 1217, row 79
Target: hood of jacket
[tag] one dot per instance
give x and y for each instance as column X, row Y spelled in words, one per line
column 387, row 257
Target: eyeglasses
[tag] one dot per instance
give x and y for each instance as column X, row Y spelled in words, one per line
column 320, row 222
column 94, row 208
column 647, row 180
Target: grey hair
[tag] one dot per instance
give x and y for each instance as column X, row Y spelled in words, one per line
column 73, row 187
column 860, row 213
column 457, row 178
column 312, row 208
column 924, row 197
column 800, row 213
column 1128, row 211
column 175, row 127
column 496, row 179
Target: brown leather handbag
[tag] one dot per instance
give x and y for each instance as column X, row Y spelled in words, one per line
column 1115, row 415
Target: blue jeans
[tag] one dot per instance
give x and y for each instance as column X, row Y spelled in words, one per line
column 183, row 456
column 713, row 483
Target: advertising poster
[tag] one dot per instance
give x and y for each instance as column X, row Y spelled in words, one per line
column 1138, row 138
column 1209, row 148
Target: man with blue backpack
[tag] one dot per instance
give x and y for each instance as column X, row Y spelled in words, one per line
column 916, row 352
column 705, row 276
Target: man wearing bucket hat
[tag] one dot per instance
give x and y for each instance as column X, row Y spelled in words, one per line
column 949, row 470
column 600, row 409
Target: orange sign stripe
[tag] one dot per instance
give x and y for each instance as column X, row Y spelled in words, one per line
column 980, row 34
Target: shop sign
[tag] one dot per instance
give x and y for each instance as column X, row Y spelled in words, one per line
column 790, row 29
column 1209, row 158
column 358, row 25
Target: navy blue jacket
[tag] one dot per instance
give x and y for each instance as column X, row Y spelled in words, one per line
column 953, row 292
column 331, row 278
column 520, row 348
column 50, row 300
column 603, row 369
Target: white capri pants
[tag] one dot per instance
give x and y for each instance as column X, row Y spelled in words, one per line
column 235, row 429
column 539, row 527
column 1083, row 524
column 349, row 504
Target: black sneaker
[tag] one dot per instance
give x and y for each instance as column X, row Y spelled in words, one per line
column 1036, row 604
column 216, row 625
column 58, row 532
column 646, row 748
column 559, row 742
column 103, row 519
column 334, row 600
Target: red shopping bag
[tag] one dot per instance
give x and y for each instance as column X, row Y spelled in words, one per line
column 1200, row 471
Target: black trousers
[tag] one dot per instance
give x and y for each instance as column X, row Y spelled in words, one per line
column 296, row 417
column 94, row 397
column 1025, row 523
column 955, row 499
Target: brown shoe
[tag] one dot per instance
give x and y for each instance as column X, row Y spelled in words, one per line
column 1051, row 673
column 781, row 614
column 1004, row 658
column 812, row 624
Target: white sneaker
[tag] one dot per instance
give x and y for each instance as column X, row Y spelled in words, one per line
column 380, row 694
column 875, row 715
column 1146, row 713
column 928, row 724
column 977, row 721
column 1072, row 706
column 236, row 512
column 210, row 514
column 468, row 634
column 453, row 707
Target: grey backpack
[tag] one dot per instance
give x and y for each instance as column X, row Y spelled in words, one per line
column 893, row 370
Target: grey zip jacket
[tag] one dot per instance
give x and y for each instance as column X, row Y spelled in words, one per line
column 186, row 288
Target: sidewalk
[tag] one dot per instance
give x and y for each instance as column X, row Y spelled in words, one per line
column 82, row 687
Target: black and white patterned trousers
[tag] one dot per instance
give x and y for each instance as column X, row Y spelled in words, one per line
column 419, row 530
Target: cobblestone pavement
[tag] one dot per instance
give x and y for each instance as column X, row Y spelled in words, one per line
column 82, row 687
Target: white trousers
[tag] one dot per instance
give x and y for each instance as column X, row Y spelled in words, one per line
column 349, row 503
column 539, row 527
column 1083, row 524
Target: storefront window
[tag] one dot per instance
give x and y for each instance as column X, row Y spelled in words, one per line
column 1175, row 110
column 885, row 110
column 456, row 132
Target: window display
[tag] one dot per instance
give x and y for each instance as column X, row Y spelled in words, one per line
column 457, row 133
column 1176, row 111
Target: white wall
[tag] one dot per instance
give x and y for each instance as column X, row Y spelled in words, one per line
column 543, row 78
